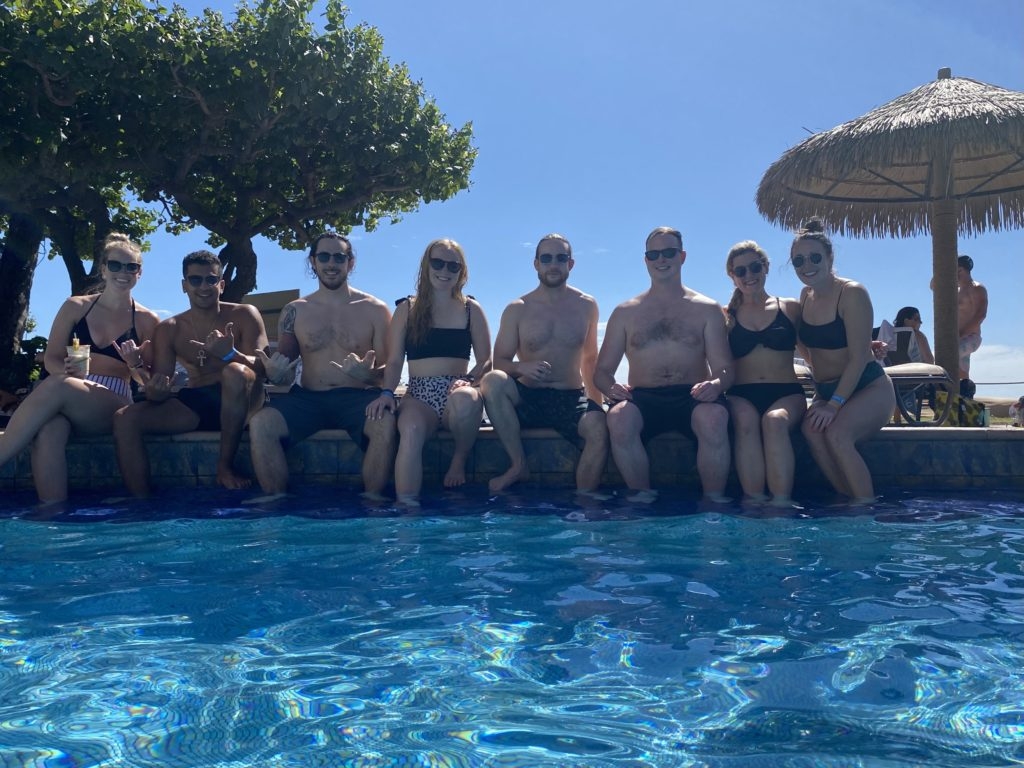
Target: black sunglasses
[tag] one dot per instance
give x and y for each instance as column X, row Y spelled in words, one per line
column 547, row 258
column 754, row 267
column 662, row 253
column 131, row 267
column 339, row 258
column 798, row 261
column 439, row 264
column 196, row 280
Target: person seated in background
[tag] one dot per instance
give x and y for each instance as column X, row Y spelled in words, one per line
column 337, row 322
column 766, row 401
column 117, row 329
column 905, row 343
column 435, row 330
column 216, row 342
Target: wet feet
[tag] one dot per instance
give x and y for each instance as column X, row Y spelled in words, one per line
column 513, row 476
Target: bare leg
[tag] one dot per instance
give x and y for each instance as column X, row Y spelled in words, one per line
column 380, row 455
column 89, row 406
column 267, row 429
column 417, row 422
column 462, row 418
column 133, row 422
column 864, row 414
column 50, row 460
column 502, row 396
column 624, row 427
column 777, row 425
column 749, row 449
column 593, row 429
column 823, row 458
column 239, row 398
column 710, row 423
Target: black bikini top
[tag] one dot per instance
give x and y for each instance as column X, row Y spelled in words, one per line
column 81, row 330
column 828, row 336
column 779, row 335
column 441, row 342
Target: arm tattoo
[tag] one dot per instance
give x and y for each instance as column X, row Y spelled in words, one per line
column 287, row 322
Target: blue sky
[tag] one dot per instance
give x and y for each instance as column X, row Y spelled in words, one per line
column 603, row 120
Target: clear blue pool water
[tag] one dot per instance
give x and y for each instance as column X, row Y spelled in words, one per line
column 527, row 631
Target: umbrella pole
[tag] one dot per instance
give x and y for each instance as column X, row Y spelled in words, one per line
column 944, row 287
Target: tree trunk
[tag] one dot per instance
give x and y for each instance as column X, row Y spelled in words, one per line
column 239, row 259
column 17, row 269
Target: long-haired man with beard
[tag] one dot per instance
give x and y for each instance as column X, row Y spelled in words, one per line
column 340, row 333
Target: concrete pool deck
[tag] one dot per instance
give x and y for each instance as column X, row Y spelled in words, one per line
column 932, row 458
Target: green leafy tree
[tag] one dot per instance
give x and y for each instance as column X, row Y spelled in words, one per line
column 268, row 126
column 62, row 177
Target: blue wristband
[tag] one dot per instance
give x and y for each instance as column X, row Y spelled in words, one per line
column 230, row 355
column 388, row 392
column 839, row 399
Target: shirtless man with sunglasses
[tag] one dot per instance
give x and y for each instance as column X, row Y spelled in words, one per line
column 341, row 334
column 679, row 369
column 217, row 344
column 543, row 373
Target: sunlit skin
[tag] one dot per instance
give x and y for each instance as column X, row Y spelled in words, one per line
column 65, row 402
column 763, row 447
column 463, row 411
column 671, row 335
column 832, row 429
column 547, row 340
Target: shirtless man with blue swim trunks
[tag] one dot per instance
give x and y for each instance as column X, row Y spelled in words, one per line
column 340, row 333
column 680, row 366
column 216, row 342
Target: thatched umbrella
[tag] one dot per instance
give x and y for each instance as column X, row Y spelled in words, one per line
column 947, row 157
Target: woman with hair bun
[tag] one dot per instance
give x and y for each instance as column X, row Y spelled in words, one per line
column 766, row 400
column 854, row 396
column 118, row 330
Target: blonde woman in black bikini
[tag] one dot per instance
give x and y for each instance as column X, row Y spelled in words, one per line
column 117, row 329
column 766, row 400
column 854, row 396
column 435, row 330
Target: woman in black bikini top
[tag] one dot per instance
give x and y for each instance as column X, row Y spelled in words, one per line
column 854, row 396
column 766, row 400
column 117, row 328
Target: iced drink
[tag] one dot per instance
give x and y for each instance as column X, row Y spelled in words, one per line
column 79, row 356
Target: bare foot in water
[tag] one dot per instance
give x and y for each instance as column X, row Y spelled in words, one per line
column 514, row 475
column 456, row 475
column 645, row 496
column 227, row 478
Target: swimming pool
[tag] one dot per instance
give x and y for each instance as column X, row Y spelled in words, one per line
column 529, row 631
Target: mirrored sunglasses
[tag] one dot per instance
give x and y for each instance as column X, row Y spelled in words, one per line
column 131, row 267
column 439, row 264
column 662, row 253
column 196, row 280
column 754, row 268
column 547, row 258
column 798, row 261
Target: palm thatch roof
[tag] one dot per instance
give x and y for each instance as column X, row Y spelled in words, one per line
column 879, row 175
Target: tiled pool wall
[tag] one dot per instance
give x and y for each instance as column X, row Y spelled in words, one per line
column 932, row 458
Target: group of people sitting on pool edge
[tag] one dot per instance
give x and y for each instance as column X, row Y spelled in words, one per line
column 693, row 368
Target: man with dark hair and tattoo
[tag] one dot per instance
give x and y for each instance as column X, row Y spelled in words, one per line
column 340, row 333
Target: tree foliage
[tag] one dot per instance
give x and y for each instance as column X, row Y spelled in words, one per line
column 267, row 124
